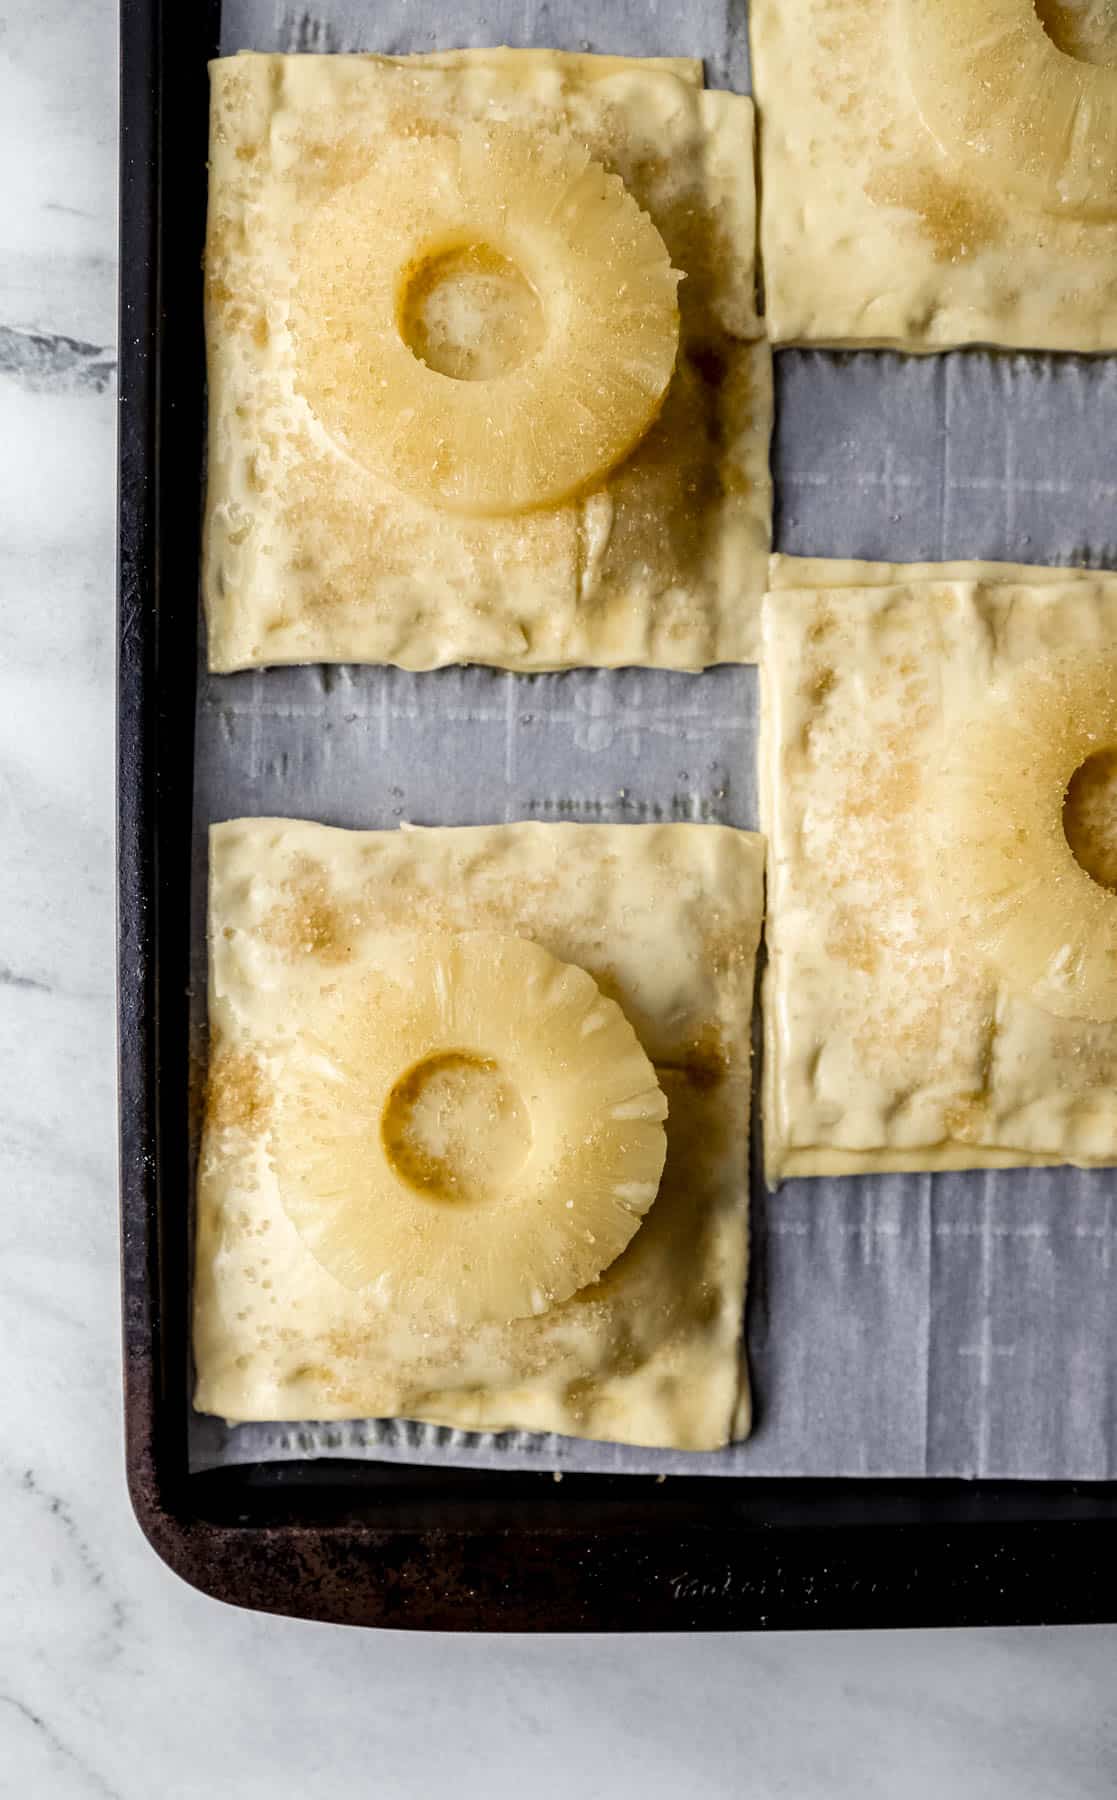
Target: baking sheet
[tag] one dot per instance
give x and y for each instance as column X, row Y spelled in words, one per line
column 898, row 1325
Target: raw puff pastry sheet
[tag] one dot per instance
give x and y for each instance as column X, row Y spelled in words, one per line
column 887, row 1044
column 873, row 232
column 667, row 919
column 309, row 558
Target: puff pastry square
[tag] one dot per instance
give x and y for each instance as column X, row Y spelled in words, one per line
column 667, row 919
column 311, row 558
column 890, row 1043
column 900, row 203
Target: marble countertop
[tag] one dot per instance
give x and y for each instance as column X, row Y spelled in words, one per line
column 116, row 1680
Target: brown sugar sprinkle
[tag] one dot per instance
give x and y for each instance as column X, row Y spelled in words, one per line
column 955, row 220
column 218, row 292
column 963, row 1119
column 853, row 940
column 906, row 1039
column 728, row 950
column 309, row 922
column 821, row 625
column 882, row 786
column 238, row 1093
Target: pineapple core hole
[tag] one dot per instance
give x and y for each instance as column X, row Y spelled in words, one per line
column 1084, row 29
column 469, row 313
column 456, row 1128
column 1090, row 817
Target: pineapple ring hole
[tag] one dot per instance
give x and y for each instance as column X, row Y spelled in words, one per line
column 470, row 313
column 1083, row 29
column 1090, row 817
column 454, row 1127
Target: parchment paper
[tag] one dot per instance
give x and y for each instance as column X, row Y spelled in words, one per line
column 898, row 1325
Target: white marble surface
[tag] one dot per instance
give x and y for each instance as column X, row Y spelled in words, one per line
column 114, row 1678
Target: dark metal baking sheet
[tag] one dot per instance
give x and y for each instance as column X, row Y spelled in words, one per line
column 366, row 1542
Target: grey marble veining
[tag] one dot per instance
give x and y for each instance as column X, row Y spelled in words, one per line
column 49, row 362
column 116, row 1680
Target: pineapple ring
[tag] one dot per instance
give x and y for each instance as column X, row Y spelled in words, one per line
column 574, row 407
column 472, row 1132
column 1005, row 866
column 991, row 84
